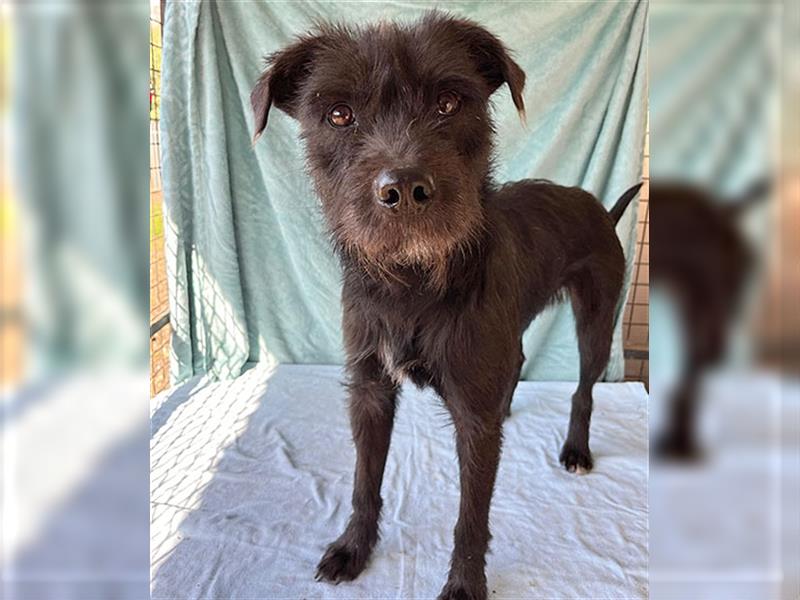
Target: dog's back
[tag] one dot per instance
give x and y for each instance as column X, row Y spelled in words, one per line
column 559, row 232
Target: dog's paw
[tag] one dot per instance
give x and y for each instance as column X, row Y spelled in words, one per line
column 340, row 562
column 677, row 448
column 576, row 460
column 456, row 591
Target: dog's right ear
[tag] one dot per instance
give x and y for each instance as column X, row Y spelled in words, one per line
column 280, row 83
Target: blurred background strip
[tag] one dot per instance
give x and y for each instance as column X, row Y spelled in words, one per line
column 73, row 300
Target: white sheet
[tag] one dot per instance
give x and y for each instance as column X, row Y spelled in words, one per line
column 729, row 526
column 252, row 478
column 73, row 495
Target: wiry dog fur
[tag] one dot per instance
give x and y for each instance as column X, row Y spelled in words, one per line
column 440, row 293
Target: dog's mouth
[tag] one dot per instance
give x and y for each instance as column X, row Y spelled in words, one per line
column 423, row 235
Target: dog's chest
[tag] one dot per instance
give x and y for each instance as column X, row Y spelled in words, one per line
column 402, row 357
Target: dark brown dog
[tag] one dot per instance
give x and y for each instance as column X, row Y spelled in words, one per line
column 443, row 270
column 700, row 254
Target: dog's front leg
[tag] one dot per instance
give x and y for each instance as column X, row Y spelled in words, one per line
column 478, row 441
column 372, row 406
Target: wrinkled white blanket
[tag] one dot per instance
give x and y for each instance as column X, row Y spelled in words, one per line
column 252, row 478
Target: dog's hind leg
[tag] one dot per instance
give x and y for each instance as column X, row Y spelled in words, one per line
column 679, row 440
column 372, row 406
column 594, row 297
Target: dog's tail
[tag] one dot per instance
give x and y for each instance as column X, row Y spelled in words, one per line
column 619, row 207
column 757, row 192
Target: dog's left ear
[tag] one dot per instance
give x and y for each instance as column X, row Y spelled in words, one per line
column 491, row 57
column 279, row 85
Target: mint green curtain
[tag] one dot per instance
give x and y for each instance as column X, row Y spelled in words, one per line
column 251, row 270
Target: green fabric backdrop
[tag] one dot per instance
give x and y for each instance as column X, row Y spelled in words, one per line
column 251, row 271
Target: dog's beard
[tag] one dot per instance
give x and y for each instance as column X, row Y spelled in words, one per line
column 425, row 243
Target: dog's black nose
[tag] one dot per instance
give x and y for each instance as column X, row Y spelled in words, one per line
column 409, row 187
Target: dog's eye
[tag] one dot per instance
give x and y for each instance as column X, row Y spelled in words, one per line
column 341, row 115
column 449, row 103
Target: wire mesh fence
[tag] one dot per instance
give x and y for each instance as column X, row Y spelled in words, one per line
column 159, row 300
column 635, row 320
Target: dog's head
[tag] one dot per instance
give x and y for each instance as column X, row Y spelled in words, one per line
column 397, row 132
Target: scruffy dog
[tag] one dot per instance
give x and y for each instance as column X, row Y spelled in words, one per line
column 700, row 254
column 443, row 270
